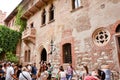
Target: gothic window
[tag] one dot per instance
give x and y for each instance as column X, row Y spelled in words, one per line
column 43, row 17
column 43, row 55
column 101, row 37
column 51, row 13
column 28, row 55
column 25, row 56
column 31, row 25
column 76, row 4
column 67, row 53
column 118, row 29
column 118, row 41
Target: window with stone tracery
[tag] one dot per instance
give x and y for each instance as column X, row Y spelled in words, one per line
column 101, row 36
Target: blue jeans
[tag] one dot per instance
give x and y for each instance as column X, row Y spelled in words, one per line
column 69, row 77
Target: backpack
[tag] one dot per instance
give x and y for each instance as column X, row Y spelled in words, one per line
column 101, row 74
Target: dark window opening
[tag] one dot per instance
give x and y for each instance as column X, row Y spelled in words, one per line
column 43, row 17
column 28, row 55
column 51, row 12
column 67, row 53
column 118, row 28
column 31, row 25
column 44, row 55
column 118, row 49
column 25, row 56
column 76, row 4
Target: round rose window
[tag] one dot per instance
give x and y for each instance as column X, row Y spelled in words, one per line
column 101, row 36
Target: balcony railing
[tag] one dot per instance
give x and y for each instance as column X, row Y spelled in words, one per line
column 29, row 33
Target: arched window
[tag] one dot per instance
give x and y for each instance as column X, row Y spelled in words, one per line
column 76, row 4
column 25, row 56
column 43, row 55
column 43, row 16
column 67, row 53
column 51, row 13
column 118, row 28
column 118, row 41
column 29, row 55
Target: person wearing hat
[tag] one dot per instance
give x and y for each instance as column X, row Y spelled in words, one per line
column 24, row 75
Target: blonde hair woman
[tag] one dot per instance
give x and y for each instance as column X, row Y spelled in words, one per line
column 42, row 74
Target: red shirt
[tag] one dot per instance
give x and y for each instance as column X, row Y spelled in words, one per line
column 90, row 78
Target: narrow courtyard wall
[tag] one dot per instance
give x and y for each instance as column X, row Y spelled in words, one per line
column 90, row 30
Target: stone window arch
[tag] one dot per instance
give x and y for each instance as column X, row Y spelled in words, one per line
column 101, row 36
column 43, row 17
column 76, row 4
column 118, row 29
column 27, row 56
column 43, row 55
column 117, row 38
column 67, row 57
column 51, row 13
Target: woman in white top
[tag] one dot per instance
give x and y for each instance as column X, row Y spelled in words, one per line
column 42, row 74
column 25, row 75
column 62, row 73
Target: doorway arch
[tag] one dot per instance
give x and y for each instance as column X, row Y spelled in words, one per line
column 43, row 55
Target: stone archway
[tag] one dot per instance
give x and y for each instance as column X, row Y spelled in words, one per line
column 43, row 55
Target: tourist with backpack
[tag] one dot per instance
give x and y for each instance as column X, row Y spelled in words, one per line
column 24, row 75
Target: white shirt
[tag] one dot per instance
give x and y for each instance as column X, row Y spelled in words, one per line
column 9, row 73
column 26, row 74
column 43, row 75
column 29, row 68
column 62, row 74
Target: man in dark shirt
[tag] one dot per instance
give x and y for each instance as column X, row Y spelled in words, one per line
column 1, row 73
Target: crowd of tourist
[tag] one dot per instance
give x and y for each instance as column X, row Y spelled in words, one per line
column 11, row 71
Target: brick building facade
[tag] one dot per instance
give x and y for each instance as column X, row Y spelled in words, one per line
column 80, row 31
column 2, row 17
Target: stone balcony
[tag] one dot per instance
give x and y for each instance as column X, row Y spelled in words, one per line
column 29, row 35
